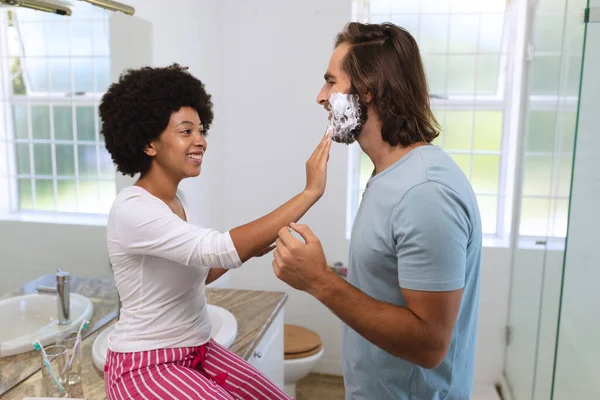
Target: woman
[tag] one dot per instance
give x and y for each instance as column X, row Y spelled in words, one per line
column 155, row 121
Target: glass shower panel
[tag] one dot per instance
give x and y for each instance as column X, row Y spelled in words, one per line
column 550, row 108
column 577, row 370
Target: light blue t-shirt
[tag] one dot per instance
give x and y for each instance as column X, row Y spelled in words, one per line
column 418, row 227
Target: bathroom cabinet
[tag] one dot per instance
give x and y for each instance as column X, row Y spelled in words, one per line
column 268, row 354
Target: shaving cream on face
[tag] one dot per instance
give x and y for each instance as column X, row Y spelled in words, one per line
column 346, row 117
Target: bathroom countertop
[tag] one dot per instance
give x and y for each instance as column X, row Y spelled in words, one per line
column 254, row 311
column 15, row 369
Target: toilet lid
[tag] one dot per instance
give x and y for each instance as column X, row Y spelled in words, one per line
column 300, row 341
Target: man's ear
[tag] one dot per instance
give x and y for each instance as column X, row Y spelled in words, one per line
column 150, row 149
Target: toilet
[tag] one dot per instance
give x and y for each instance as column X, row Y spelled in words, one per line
column 302, row 351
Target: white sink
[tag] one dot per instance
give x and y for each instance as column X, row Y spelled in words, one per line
column 224, row 332
column 33, row 316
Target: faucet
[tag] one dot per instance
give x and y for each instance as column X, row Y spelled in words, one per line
column 63, row 291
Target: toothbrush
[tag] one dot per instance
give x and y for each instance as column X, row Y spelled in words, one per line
column 84, row 326
column 38, row 346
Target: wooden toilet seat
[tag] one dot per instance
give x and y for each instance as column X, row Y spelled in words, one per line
column 299, row 342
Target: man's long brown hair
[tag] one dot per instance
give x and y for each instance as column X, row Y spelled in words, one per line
column 384, row 60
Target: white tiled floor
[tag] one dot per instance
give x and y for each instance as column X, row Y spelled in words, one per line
column 484, row 392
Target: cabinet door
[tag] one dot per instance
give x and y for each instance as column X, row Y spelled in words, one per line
column 268, row 355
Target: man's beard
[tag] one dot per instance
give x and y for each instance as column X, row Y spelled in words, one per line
column 348, row 116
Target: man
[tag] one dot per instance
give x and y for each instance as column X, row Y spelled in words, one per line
column 411, row 301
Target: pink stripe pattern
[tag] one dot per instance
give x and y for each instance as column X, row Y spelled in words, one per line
column 209, row 371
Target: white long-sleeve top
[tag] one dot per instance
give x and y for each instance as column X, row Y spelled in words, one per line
column 160, row 263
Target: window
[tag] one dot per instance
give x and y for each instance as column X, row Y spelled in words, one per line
column 55, row 70
column 555, row 56
column 465, row 49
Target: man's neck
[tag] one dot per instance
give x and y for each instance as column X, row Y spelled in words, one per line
column 158, row 183
column 381, row 153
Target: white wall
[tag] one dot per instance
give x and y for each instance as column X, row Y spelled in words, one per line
column 263, row 61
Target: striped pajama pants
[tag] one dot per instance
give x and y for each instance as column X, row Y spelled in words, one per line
column 209, row 371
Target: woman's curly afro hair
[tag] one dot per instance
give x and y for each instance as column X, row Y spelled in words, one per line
column 137, row 109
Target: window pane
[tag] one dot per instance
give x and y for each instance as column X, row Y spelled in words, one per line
column 57, row 36
column 491, row 28
column 544, row 75
column 366, row 170
column 534, row 217
column 574, row 32
column 18, row 81
column 566, row 131
column 408, row 22
column 36, row 71
column 65, row 160
column 464, row 6
column 463, row 33
column 40, row 122
column 28, row 15
column 85, row 123
column 573, row 76
column 488, row 208
column 63, row 122
column 107, row 168
column 550, row 6
column 20, row 121
column 25, row 199
column 548, row 32
column 81, row 38
column 23, row 166
column 435, row 6
column 404, row 7
column 434, row 34
column 541, row 127
column 478, row 6
column 379, row 8
column 33, row 39
column 458, row 130
column 464, row 162
column 108, row 192
column 435, row 69
column 66, row 200
column 485, row 174
column 440, row 116
column 42, row 156
column 562, row 185
column 461, row 74
column 60, row 71
column 44, row 195
column 488, row 69
column 537, row 175
column 89, row 197
column 100, row 38
column 86, row 12
column 561, row 218
column 87, row 161
column 379, row 18
column 102, row 74
column 488, row 130
column 83, row 74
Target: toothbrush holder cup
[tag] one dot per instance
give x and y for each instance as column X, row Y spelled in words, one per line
column 71, row 373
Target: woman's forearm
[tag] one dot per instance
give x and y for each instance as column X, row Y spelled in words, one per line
column 252, row 238
column 214, row 274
